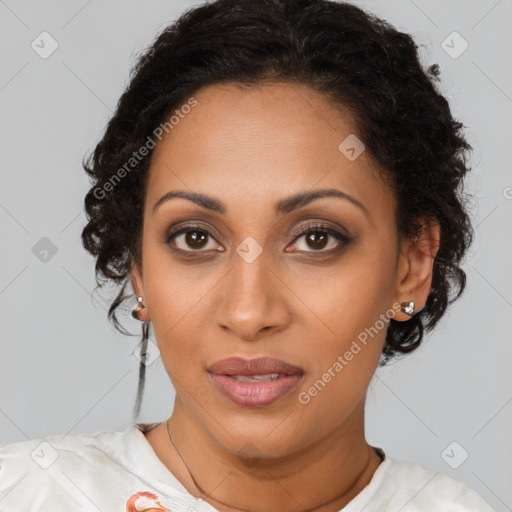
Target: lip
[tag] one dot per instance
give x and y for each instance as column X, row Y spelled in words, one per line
column 258, row 366
column 254, row 394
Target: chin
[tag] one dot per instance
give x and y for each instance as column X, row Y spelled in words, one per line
column 265, row 437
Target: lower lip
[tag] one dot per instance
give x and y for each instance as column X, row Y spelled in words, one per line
column 255, row 394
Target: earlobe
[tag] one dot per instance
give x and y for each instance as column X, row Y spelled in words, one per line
column 416, row 267
column 140, row 311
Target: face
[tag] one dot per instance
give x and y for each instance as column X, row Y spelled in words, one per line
column 251, row 273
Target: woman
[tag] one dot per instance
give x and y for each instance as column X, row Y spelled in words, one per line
column 280, row 186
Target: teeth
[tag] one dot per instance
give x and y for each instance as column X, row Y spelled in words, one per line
column 255, row 378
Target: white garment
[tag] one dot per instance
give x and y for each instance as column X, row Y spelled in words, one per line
column 105, row 470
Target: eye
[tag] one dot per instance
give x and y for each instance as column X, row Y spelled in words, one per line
column 191, row 238
column 316, row 237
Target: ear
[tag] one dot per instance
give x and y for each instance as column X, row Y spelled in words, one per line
column 414, row 270
column 138, row 289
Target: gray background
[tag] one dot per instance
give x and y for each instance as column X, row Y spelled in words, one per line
column 63, row 368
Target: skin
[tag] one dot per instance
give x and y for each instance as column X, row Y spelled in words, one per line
column 295, row 301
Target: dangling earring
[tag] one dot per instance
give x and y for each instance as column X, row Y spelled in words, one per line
column 143, row 353
column 407, row 307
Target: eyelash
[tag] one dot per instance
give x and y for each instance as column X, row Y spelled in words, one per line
column 310, row 228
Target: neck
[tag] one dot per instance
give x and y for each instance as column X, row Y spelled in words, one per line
column 323, row 476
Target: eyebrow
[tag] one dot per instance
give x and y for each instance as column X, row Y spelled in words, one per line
column 281, row 207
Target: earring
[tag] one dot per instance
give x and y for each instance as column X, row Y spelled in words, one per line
column 138, row 308
column 407, row 307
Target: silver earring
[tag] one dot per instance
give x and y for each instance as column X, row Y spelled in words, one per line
column 138, row 308
column 407, row 307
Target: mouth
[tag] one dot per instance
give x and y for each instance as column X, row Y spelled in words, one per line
column 254, row 382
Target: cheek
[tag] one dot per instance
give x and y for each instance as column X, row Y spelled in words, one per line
column 175, row 303
column 348, row 299
column 341, row 368
column 347, row 333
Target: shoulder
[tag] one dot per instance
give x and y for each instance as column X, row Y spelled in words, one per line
column 420, row 489
column 46, row 470
column 40, row 452
column 44, row 451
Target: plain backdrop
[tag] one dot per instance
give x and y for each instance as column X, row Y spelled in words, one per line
column 63, row 368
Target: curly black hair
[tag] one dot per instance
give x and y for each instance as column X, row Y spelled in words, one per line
column 357, row 60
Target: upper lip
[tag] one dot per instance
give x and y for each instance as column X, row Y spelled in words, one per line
column 258, row 366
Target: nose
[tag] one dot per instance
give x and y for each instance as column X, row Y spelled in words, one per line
column 252, row 299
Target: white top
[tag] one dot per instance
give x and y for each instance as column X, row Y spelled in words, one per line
column 113, row 471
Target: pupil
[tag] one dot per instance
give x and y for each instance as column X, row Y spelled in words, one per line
column 320, row 244
column 195, row 238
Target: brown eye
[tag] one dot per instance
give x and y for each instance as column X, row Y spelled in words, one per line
column 319, row 239
column 191, row 239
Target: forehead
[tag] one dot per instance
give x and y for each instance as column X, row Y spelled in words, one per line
column 265, row 142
